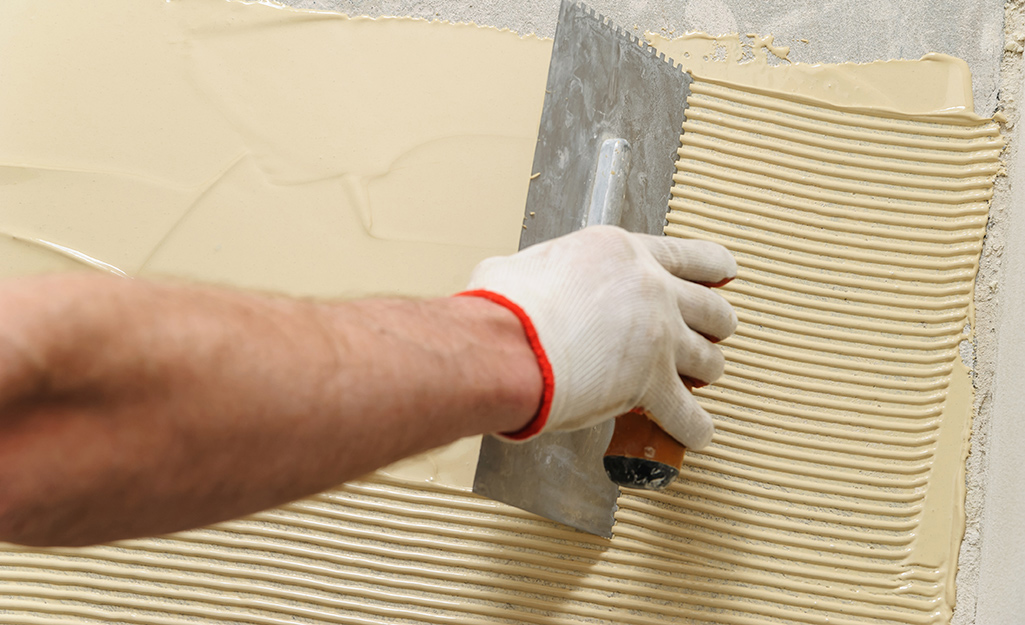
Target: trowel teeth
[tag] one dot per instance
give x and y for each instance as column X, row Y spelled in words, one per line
column 620, row 32
column 629, row 36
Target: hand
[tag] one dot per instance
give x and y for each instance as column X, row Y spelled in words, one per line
column 618, row 321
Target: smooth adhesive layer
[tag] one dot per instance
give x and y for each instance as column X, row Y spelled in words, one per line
column 354, row 157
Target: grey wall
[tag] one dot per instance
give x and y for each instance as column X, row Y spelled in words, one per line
column 836, row 30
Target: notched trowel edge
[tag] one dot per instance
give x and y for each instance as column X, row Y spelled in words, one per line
column 603, row 83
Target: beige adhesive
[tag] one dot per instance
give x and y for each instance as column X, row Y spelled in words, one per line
column 194, row 174
column 316, row 155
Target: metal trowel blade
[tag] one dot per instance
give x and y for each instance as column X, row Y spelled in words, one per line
column 603, row 83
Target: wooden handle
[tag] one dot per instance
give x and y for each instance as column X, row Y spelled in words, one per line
column 641, row 454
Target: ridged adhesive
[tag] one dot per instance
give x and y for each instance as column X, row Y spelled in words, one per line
column 833, row 490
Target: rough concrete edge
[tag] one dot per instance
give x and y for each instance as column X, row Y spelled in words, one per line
column 986, row 321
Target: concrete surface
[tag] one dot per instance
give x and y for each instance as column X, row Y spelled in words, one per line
column 991, row 580
column 836, row 30
column 1000, row 596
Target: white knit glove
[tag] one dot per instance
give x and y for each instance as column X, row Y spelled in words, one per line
column 616, row 319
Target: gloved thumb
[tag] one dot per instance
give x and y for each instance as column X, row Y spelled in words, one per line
column 678, row 413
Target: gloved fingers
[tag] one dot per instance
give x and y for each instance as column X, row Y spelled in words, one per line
column 703, row 262
column 678, row 413
column 705, row 311
column 697, row 358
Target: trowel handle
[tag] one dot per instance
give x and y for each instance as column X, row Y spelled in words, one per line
column 641, row 454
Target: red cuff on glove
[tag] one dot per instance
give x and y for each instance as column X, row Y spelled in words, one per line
column 541, row 417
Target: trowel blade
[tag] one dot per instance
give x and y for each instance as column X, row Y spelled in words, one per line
column 602, row 83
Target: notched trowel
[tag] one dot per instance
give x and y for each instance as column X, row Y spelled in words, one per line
column 606, row 152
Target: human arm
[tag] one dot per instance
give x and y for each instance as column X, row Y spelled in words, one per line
column 133, row 408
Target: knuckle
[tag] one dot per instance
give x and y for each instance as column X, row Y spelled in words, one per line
column 719, row 311
column 719, row 255
column 731, row 321
column 612, row 236
column 703, row 432
column 725, row 316
column 715, row 363
column 726, row 259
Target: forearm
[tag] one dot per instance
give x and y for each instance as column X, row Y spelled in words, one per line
column 131, row 408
